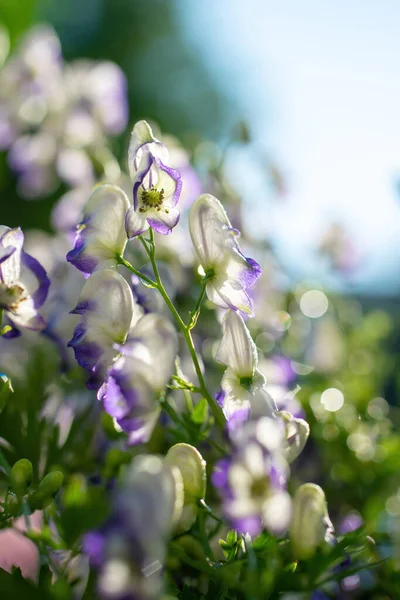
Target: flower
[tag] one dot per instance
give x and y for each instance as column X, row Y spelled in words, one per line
column 229, row 273
column 156, row 187
column 310, row 525
column 107, row 308
column 24, row 284
column 243, row 386
column 133, row 384
column 296, row 434
column 101, row 236
column 129, row 550
column 156, row 191
column 252, row 483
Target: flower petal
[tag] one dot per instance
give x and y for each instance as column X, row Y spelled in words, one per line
column 101, row 236
column 26, row 315
column 151, row 350
column 163, row 222
column 135, row 223
column 106, row 306
column 11, row 266
column 237, row 349
column 207, row 220
column 34, row 279
column 170, row 181
column 142, row 136
column 229, row 294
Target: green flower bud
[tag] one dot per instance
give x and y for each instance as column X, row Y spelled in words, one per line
column 21, row 476
column 193, row 468
column 47, row 488
column 310, row 525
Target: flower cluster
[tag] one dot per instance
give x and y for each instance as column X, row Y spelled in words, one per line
column 129, row 354
column 55, row 117
column 132, row 352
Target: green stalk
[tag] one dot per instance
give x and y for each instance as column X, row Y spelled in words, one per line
column 185, row 329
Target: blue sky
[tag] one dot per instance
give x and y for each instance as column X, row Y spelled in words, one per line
column 319, row 83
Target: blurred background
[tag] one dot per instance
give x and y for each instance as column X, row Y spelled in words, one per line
column 316, row 86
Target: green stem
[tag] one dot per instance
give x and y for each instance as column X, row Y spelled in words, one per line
column 132, row 269
column 215, row 408
column 195, row 313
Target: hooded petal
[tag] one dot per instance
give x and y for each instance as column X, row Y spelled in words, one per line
column 237, row 349
column 142, row 138
column 208, row 222
column 142, row 176
column 6, row 252
column 101, row 235
column 106, row 306
column 168, row 180
column 11, row 266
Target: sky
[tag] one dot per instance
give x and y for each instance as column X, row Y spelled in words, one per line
column 319, row 84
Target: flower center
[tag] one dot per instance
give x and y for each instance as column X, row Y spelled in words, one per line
column 260, row 488
column 11, row 296
column 247, row 383
column 152, row 198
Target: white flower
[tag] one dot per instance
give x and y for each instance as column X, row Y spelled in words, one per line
column 133, row 385
column 214, row 239
column 107, row 309
column 101, row 236
column 24, row 283
column 156, row 186
column 243, row 386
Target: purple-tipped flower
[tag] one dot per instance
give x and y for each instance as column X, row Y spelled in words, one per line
column 106, row 306
column 101, row 236
column 245, row 395
column 131, row 391
column 129, row 551
column 156, row 187
column 23, row 281
column 214, row 239
column 252, row 482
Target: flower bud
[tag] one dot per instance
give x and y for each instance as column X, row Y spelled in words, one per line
column 21, row 476
column 192, row 467
column 310, row 526
column 48, row 487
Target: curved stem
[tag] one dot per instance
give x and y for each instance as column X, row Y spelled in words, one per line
column 132, row 269
column 215, row 408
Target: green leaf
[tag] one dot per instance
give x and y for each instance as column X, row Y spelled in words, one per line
column 200, row 412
